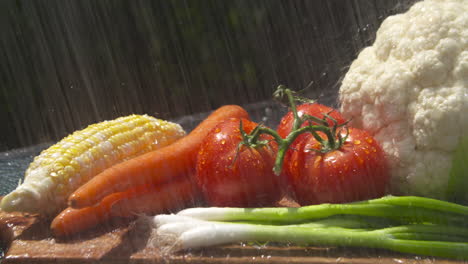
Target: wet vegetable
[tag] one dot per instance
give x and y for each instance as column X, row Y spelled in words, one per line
column 157, row 167
column 414, row 225
column 63, row 167
column 232, row 172
column 145, row 199
column 409, row 90
column 315, row 110
column 357, row 170
column 324, row 160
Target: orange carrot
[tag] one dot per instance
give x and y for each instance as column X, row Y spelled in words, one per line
column 71, row 221
column 169, row 197
column 145, row 199
column 155, row 168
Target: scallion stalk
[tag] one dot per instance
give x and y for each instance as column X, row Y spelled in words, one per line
column 408, row 209
column 415, row 239
column 413, row 225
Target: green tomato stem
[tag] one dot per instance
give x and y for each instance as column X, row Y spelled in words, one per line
column 297, row 120
column 283, row 144
column 332, row 142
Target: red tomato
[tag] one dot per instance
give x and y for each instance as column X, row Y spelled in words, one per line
column 232, row 176
column 315, row 109
column 356, row 171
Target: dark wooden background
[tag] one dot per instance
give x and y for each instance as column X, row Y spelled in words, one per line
column 65, row 64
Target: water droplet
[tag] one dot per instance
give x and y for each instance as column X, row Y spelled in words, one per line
column 360, row 160
column 317, row 161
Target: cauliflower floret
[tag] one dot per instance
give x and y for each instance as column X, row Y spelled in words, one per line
column 410, row 90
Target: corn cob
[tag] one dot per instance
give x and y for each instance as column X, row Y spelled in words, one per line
column 61, row 169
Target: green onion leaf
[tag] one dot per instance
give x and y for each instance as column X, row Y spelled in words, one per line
column 458, row 181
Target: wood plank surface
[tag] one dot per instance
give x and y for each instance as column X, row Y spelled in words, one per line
column 28, row 240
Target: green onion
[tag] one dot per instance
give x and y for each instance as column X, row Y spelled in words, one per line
column 408, row 209
column 456, row 190
column 409, row 224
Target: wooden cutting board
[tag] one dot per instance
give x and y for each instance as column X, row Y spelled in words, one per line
column 27, row 239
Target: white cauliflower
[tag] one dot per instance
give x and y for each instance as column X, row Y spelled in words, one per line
column 410, row 90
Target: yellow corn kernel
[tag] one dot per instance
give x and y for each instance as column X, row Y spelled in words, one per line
column 62, row 168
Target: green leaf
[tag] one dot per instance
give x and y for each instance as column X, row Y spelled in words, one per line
column 457, row 190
